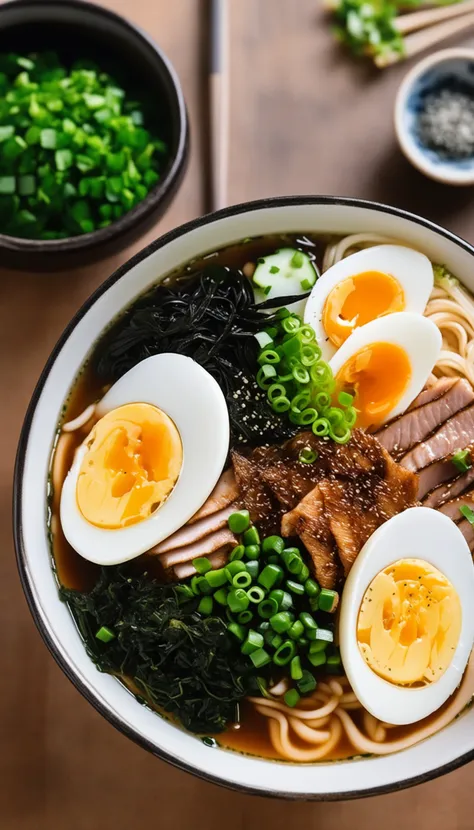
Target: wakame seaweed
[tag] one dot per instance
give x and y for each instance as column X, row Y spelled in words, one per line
column 212, row 317
column 182, row 662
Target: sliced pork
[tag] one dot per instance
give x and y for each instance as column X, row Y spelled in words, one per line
column 432, row 392
column 191, row 533
column 419, row 423
column 309, row 521
column 467, row 531
column 335, row 519
column 220, row 539
column 225, row 492
column 217, row 559
column 254, row 492
column 451, row 508
column 454, row 434
column 450, row 489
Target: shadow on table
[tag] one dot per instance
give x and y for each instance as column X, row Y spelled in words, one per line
column 397, row 183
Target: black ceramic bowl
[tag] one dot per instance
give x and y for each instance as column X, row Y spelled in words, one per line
column 76, row 29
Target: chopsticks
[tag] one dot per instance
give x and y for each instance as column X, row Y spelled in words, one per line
column 424, row 38
column 406, row 23
column 219, row 103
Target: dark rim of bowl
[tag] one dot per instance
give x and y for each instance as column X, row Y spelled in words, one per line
column 157, row 193
column 36, row 611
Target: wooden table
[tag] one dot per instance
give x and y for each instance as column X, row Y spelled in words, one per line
column 305, row 119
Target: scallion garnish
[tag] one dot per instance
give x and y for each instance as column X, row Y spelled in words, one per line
column 462, row 460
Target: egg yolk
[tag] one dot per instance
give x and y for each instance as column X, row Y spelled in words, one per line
column 378, row 375
column 409, row 623
column 358, row 300
column 133, row 459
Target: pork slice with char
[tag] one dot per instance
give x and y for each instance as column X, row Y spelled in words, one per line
column 255, row 493
column 356, row 508
column 457, row 432
column 451, row 508
column 449, row 489
column 416, row 425
column 431, row 478
column 309, row 521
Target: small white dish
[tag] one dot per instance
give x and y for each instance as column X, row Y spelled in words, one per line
column 431, row 73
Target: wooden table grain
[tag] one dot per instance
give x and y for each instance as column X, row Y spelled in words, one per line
column 304, row 119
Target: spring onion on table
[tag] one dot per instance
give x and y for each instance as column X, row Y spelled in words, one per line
column 74, row 152
column 298, row 382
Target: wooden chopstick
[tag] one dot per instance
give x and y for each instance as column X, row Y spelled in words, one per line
column 418, row 20
column 219, row 102
column 425, row 38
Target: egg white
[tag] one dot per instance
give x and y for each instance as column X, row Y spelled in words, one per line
column 191, row 397
column 417, row 335
column 412, row 269
column 420, row 533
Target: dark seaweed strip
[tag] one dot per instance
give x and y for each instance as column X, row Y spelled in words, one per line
column 212, row 318
column 182, row 662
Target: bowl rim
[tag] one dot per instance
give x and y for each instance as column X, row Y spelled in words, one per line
column 36, row 611
column 418, row 159
column 159, row 192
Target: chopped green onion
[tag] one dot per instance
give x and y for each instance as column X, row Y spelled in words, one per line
column 292, row 560
column 184, row 593
column 281, row 622
column 237, row 553
column 273, row 544
column 317, row 646
column 295, row 668
column 253, row 567
column 468, row 513
column 297, row 260
column 260, row 658
column 462, row 460
column 251, row 536
column 205, row 606
column 252, row 551
column 317, row 659
column 291, row 698
column 105, row 634
column 237, row 600
column 255, row 594
column 234, row 567
column 284, row 653
column 217, row 578
column 295, row 587
column 303, row 574
column 307, row 456
column 307, row 620
column 269, row 357
column 263, row 339
column 239, row 521
column 202, row 565
column 296, row 630
column 237, row 630
column 267, row 608
column 328, row 599
column 271, row 575
column 324, row 634
column 253, row 641
column 244, row 617
column 320, row 427
column 312, row 588
column 307, row 683
column 242, row 580
column 220, row 596
column 345, row 398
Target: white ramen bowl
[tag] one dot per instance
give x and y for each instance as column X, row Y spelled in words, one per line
column 449, row 748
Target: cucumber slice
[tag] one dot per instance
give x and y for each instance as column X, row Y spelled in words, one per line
column 285, row 273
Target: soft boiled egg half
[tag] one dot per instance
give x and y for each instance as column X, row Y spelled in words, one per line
column 149, row 463
column 385, row 364
column 363, row 287
column 406, row 626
